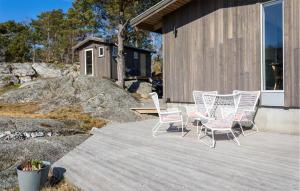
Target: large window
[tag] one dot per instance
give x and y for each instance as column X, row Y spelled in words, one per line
column 272, row 62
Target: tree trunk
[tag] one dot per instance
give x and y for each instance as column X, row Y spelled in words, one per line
column 33, row 53
column 120, row 57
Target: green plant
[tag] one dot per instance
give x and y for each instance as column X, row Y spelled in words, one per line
column 32, row 165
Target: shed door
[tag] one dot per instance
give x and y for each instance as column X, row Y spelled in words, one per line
column 143, row 65
column 88, row 60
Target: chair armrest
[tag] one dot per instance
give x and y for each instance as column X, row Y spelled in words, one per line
column 171, row 113
column 172, row 109
column 245, row 114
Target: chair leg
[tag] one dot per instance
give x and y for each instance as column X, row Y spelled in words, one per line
column 182, row 126
column 213, row 138
column 187, row 122
column 234, row 137
column 198, row 126
column 241, row 127
column 254, row 126
column 155, row 129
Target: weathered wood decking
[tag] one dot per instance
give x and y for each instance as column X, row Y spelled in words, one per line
column 127, row 157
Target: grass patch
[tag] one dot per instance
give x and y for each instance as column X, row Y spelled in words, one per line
column 29, row 110
column 137, row 96
column 75, row 113
column 8, row 88
column 61, row 186
column 18, row 109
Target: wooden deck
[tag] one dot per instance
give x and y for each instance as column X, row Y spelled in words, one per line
column 127, row 157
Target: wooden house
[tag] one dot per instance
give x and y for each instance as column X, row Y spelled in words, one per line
column 225, row 45
column 97, row 58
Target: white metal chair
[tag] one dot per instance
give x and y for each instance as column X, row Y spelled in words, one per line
column 199, row 111
column 246, row 109
column 221, row 116
column 166, row 117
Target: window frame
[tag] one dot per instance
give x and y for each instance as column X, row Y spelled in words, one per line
column 273, row 2
column 99, row 48
column 273, row 98
column 86, row 50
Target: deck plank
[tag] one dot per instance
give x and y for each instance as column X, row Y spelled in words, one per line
column 127, row 157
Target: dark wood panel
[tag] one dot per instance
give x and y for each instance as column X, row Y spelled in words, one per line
column 292, row 53
column 216, row 46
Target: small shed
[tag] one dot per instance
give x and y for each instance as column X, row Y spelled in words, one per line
column 97, row 58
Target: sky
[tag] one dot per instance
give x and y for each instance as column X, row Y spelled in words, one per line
column 25, row 10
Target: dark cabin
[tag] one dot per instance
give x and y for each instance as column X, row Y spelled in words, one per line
column 225, row 45
column 97, row 58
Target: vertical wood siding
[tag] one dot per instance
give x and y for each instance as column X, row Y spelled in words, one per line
column 216, row 45
column 292, row 53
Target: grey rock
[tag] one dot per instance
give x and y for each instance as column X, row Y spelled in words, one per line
column 22, row 69
column 5, row 68
column 142, row 88
column 27, row 135
column 45, row 70
column 8, row 79
column 25, row 79
column 25, row 125
column 100, row 98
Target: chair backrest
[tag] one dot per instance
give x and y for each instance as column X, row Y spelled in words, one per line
column 248, row 100
column 200, row 105
column 224, row 106
column 155, row 99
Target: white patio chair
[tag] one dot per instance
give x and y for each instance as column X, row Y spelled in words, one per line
column 199, row 111
column 166, row 117
column 247, row 109
column 221, row 116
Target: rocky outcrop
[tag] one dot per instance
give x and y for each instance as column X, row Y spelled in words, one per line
column 8, row 79
column 139, row 87
column 46, row 70
column 99, row 98
column 14, row 73
column 22, row 70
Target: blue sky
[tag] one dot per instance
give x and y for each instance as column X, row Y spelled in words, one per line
column 24, row 10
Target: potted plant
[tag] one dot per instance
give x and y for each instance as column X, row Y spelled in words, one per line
column 32, row 175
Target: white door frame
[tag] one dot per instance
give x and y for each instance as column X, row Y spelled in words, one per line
column 90, row 49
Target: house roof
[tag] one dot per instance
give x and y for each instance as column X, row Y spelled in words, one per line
column 105, row 41
column 151, row 19
column 95, row 39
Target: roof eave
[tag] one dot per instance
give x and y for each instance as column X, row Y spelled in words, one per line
column 140, row 21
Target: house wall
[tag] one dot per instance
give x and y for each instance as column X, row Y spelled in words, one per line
column 216, row 45
column 292, row 53
column 101, row 65
column 130, row 62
